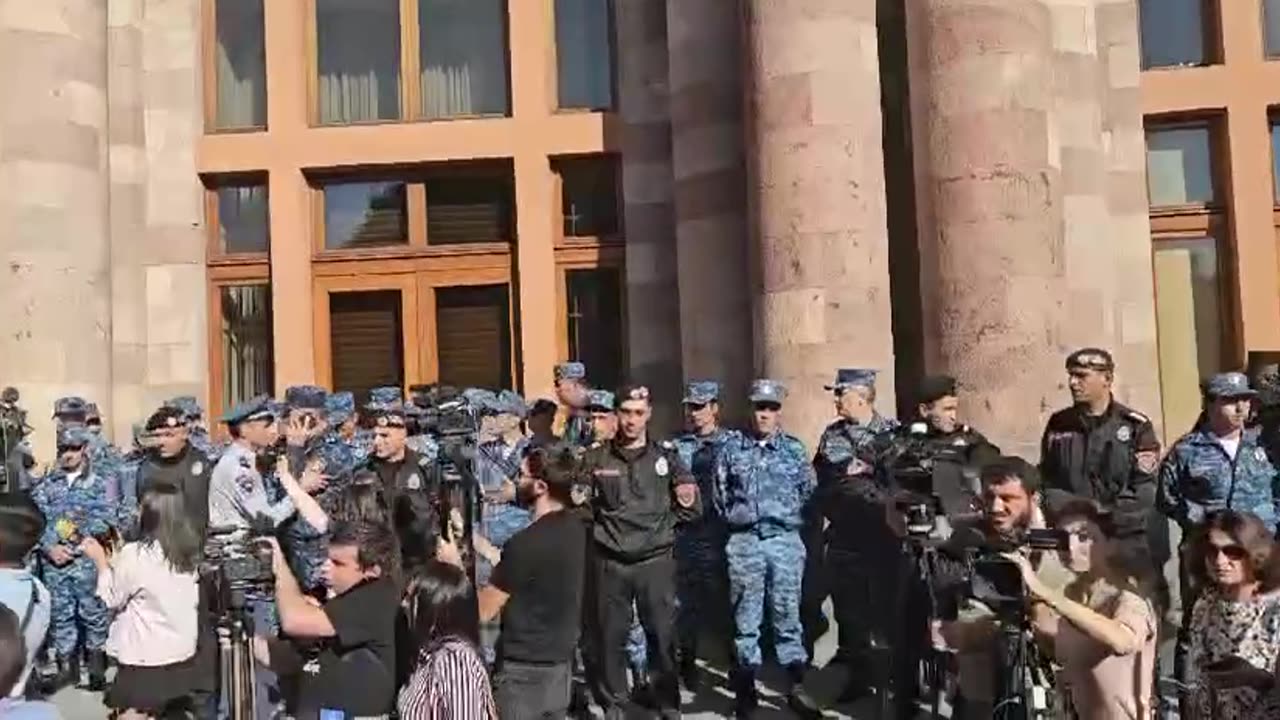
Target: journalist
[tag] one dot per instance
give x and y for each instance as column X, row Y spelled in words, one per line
column 1010, row 507
column 342, row 653
column 1101, row 628
column 21, row 525
column 13, row 667
column 151, row 587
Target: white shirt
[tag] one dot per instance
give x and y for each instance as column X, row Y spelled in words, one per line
column 155, row 621
column 1230, row 443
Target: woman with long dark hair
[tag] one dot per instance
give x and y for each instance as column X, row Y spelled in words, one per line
column 151, row 587
column 448, row 677
column 1235, row 625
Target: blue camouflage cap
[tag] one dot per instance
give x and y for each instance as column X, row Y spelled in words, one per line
column 1229, row 385
column 339, row 407
column 570, row 371
column 701, row 392
column 852, row 377
column 599, row 400
column 91, row 412
column 188, row 405
column 69, row 405
column 385, row 396
column 259, row 407
column 510, row 403
column 305, row 397
column 73, row 437
column 767, row 391
column 484, row 401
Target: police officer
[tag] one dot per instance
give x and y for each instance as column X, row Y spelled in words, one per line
column 73, row 499
column 639, row 492
column 197, row 432
column 571, row 394
column 701, row 583
column 1100, row 449
column 408, row 483
column 763, row 482
column 856, row 539
column 107, row 460
column 344, row 423
column 174, row 462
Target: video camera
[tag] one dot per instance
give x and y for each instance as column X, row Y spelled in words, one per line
column 237, row 562
column 996, row 581
column 909, row 462
column 13, row 430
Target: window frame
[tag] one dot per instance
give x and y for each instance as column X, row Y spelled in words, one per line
column 614, row 75
column 209, row 62
column 1218, row 147
column 214, row 253
column 618, row 237
column 239, row 275
column 1211, row 29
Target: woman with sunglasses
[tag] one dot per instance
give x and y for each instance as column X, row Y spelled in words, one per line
column 1235, row 625
column 1101, row 628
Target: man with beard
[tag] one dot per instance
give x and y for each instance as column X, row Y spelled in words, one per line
column 1011, row 505
column 408, row 485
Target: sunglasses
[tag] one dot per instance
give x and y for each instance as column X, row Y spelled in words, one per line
column 694, row 407
column 1232, row 552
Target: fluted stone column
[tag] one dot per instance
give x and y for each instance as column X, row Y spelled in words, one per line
column 991, row 197
column 818, row 200
column 56, row 289
column 653, row 293
column 704, row 43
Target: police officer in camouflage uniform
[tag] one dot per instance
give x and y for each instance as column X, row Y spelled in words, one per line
column 107, row 460
column 73, row 499
column 1219, row 465
column 340, row 411
column 855, row 538
column 763, row 481
column 701, row 583
column 572, row 425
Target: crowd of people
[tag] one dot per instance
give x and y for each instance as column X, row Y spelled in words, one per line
column 474, row 555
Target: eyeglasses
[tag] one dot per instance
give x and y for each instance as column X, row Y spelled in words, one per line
column 1232, row 552
column 694, row 407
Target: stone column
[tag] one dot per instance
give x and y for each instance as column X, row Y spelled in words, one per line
column 653, row 293
column 54, row 221
column 1129, row 235
column 992, row 256
column 705, row 51
column 818, row 200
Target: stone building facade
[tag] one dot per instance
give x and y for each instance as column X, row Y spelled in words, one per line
column 953, row 186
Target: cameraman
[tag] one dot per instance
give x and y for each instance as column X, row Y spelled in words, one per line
column 1010, row 500
column 344, row 649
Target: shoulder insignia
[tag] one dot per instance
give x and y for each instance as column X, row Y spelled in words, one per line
column 960, row 442
column 668, row 445
column 244, row 481
column 1259, row 454
column 244, row 461
column 197, row 467
column 1123, row 433
column 661, row 467
column 1135, row 415
column 413, row 482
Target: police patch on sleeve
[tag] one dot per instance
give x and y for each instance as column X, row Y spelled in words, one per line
column 1259, row 454
column 413, row 482
column 197, row 467
column 661, row 467
column 1123, row 433
column 244, row 481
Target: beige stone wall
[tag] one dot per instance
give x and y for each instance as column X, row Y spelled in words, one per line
column 157, row 231
column 653, row 292
column 56, row 289
column 818, row 200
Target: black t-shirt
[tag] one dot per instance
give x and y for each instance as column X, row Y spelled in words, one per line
column 542, row 571
column 356, row 672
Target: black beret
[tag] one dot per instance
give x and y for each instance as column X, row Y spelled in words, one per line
column 935, row 387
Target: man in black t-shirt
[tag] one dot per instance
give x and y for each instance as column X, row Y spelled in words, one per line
column 537, row 588
column 348, row 662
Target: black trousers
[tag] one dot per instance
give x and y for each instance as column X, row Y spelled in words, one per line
column 651, row 585
column 532, row 691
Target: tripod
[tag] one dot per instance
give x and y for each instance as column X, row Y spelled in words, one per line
column 235, row 658
column 1020, row 679
column 906, row 659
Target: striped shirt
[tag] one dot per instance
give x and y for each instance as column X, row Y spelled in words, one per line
column 450, row 683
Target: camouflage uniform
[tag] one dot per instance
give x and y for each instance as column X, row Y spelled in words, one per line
column 1197, row 477
column 762, row 486
column 74, row 509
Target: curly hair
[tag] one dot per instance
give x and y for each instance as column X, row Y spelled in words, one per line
column 1250, row 533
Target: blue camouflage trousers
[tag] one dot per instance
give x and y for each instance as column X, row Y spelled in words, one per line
column 74, row 604
column 637, row 648
column 700, row 581
column 766, row 569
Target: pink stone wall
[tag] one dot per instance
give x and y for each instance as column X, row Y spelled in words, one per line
column 817, row 200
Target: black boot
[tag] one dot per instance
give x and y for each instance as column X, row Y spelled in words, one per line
column 746, row 699
column 689, row 669
column 97, row 670
column 68, row 671
column 800, row 702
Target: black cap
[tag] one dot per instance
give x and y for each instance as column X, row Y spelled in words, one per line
column 1092, row 359
column 166, row 417
column 632, row 391
column 935, row 387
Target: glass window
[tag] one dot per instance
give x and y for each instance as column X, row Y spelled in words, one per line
column 1271, row 27
column 243, row 225
column 1173, row 32
column 365, row 214
column 473, row 336
column 248, row 367
column 595, row 322
column 358, row 57
column 469, row 209
column 366, row 340
column 464, row 57
column 589, row 196
column 1189, row 322
column 240, row 65
column 584, row 57
column 1179, row 168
